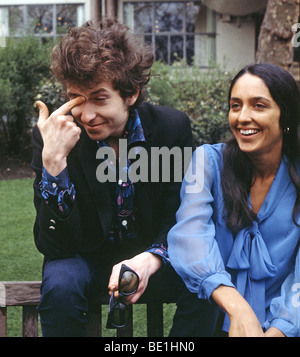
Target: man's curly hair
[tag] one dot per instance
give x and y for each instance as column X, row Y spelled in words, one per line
column 103, row 51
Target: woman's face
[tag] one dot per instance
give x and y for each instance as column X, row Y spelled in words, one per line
column 254, row 117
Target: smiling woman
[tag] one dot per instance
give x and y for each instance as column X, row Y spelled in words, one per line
column 276, row 116
column 237, row 241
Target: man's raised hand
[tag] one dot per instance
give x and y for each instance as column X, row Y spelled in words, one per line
column 60, row 134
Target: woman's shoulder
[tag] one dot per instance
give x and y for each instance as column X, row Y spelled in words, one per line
column 214, row 152
column 209, row 157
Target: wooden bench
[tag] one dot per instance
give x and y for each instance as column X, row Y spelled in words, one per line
column 27, row 295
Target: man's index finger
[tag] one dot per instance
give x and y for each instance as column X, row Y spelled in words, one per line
column 67, row 107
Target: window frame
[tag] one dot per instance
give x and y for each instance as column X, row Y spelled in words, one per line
column 185, row 34
column 50, row 3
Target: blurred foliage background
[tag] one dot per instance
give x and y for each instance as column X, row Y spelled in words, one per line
column 202, row 94
column 25, row 77
column 23, row 63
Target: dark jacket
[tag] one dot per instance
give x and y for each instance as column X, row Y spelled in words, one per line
column 85, row 229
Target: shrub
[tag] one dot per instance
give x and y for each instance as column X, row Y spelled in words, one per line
column 202, row 94
column 51, row 93
column 22, row 65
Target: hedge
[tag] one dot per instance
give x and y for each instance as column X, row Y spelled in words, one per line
column 23, row 63
column 202, row 94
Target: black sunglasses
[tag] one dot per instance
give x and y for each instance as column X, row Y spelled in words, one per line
column 118, row 312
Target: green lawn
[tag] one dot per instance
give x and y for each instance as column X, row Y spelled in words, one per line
column 20, row 260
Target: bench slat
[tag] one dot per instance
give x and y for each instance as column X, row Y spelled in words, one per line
column 20, row 293
column 155, row 319
column 3, row 321
column 27, row 295
column 94, row 326
column 30, row 321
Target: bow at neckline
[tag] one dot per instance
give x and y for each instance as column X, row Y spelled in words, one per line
column 250, row 253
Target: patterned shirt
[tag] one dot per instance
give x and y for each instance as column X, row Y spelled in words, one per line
column 59, row 192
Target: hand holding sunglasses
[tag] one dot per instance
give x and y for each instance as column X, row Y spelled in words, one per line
column 118, row 313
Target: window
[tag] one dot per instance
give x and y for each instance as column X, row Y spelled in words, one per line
column 41, row 20
column 176, row 29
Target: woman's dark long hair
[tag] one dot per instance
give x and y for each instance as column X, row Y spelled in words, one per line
column 237, row 172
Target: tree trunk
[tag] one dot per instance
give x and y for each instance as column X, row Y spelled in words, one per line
column 275, row 37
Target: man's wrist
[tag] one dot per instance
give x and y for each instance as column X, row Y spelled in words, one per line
column 55, row 164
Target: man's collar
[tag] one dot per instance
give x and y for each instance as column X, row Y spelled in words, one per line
column 133, row 132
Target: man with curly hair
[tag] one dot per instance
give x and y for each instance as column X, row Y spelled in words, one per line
column 87, row 228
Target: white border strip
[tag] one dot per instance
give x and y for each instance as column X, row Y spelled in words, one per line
column 2, row 295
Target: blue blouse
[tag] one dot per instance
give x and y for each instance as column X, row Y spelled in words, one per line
column 262, row 262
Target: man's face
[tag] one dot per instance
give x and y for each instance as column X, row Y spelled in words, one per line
column 104, row 113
